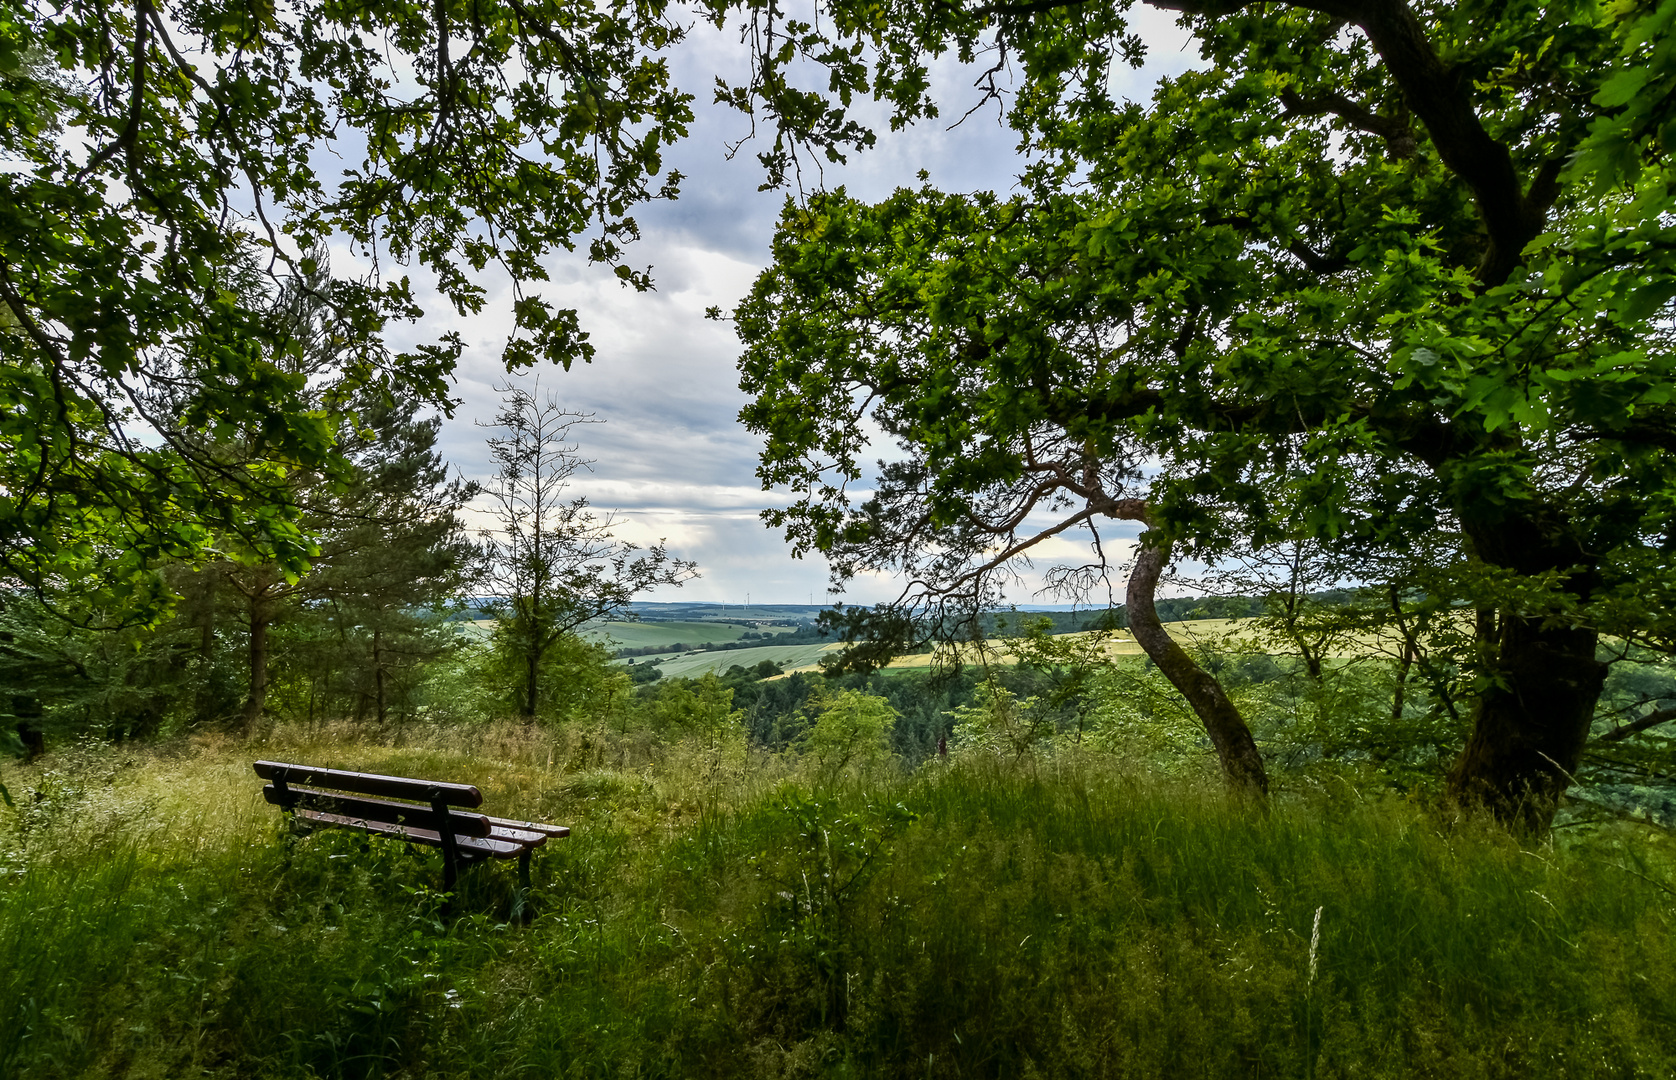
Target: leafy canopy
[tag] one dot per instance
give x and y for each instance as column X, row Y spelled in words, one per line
column 168, row 163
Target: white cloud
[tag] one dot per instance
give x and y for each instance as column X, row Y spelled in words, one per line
column 670, row 455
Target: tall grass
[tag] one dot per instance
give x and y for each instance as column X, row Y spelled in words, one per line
column 718, row 915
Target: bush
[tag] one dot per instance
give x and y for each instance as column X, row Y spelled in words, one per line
column 850, row 731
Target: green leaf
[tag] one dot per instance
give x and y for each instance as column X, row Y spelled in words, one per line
column 1643, row 302
column 1622, row 86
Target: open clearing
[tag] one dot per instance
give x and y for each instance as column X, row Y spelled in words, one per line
column 692, row 665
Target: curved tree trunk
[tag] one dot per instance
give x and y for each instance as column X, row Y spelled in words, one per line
column 1242, row 762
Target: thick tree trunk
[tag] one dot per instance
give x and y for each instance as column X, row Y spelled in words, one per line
column 1242, row 763
column 1530, row 722
column 1530, row 725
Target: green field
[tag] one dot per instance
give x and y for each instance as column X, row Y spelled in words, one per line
column 639, row 635
column 806, row 657
column 1223, row 633
column 692, row 665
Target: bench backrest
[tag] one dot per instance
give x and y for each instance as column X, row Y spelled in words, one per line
column 339, row 792
column 389, row 787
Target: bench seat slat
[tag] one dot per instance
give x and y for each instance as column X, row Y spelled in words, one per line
column 469, row 846
column 382, row 810
column 522, row 837
column 557, row 832
column 391, row 787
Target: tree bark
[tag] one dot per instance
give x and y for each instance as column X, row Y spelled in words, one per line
column 1242, row 762
column 378, row 672
column 532, row 681
column 1532, row 719
column 1530, row 725
column 206, row 707
column 1403, row 667
column 257, row 699
column 32, row 738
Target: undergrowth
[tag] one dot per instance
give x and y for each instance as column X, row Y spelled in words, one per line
column 719, row 916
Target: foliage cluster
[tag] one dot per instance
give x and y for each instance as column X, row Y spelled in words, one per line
column 365, row 632
column 172, row 166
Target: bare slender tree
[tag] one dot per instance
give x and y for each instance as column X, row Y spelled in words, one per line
column 554, row 563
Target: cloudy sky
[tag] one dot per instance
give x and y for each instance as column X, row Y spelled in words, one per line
column 670, row 456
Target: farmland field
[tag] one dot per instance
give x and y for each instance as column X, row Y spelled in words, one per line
column 1221, row 634
column 1234, row 635
column 692, row 665
column 1192, row 632
column 638, row 635
column 808, row 657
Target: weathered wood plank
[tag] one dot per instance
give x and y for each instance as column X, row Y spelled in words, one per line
column 381, row 810
column 469, row 846
column 390, row 787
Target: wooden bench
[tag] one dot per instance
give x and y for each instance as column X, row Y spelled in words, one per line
column 418, row 811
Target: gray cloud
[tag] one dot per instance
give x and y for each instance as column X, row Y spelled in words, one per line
column 670, row 455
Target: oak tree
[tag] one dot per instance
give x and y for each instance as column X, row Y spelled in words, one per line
column 1378, row 268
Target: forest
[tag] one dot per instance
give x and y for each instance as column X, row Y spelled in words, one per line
column 1327, row 390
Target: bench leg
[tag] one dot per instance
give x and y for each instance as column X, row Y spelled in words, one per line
column 520, row 902
column 295, row 830
column 450, row 856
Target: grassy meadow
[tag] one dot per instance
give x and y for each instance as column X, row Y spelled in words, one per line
column 805, row 657
column 725, row 912
column 634, row 635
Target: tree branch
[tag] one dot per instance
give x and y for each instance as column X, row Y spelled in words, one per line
column 1651, row 720
column 1398, row 136
column 124, row 140
column 1441, row 96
